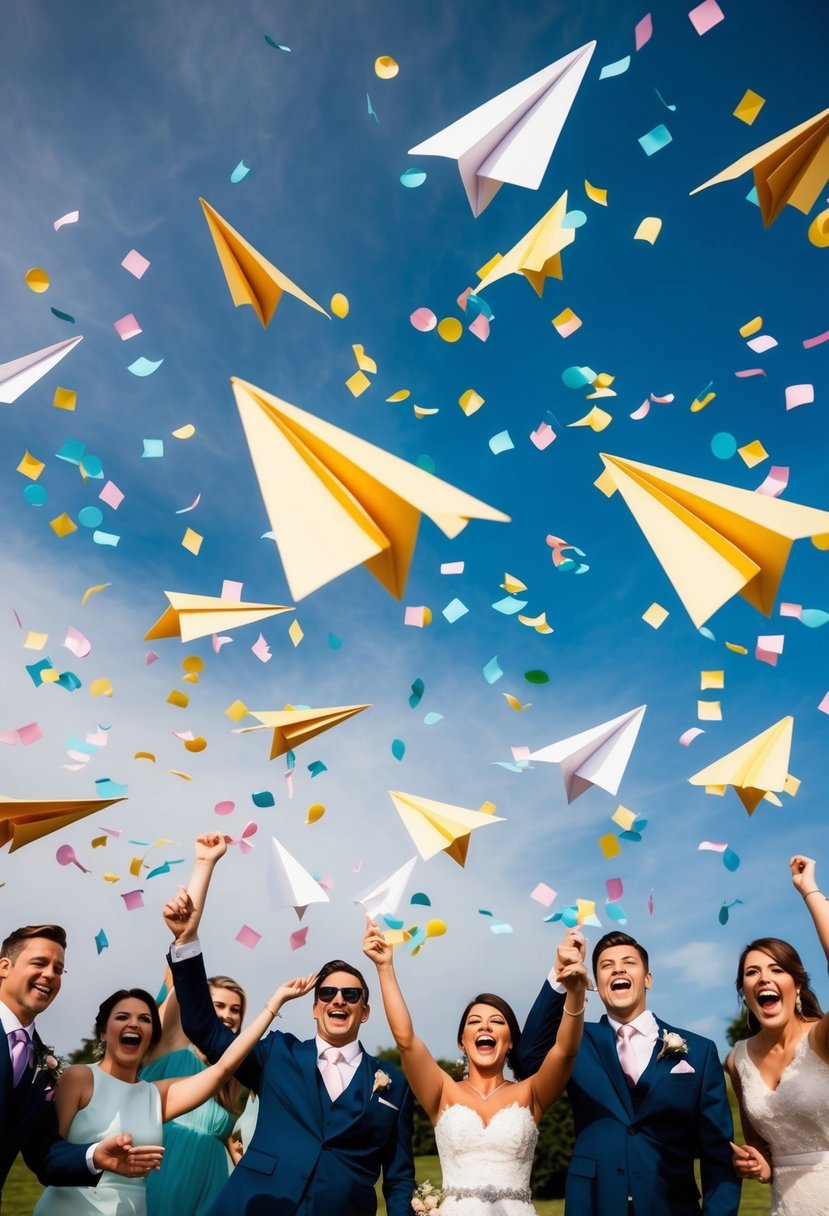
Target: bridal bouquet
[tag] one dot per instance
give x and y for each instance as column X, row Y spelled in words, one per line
column 427, row 1199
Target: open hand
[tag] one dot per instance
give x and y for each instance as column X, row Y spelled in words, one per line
column 117, row 1154
column 375, row 946
column 291, row 989
column 211, row 847
column 803, row 873
column 749, row 1162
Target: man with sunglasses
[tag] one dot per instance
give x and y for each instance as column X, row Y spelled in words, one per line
column 332, row 1118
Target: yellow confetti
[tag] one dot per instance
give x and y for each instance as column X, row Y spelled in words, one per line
column 655, row 616
column 402, row 394
column 144, row 756
column 179, row 699
column 94, row 591
column 192, row 662
column 295, row 632
column 819, row 230
column 609, row 845
column 470, row 401
column 135, row 867
column 65, row 399
column 236, row 711
column 821, row 541
column 99, row 842
column 176, row 772
column 709, row 711
column 37, row 279
column 50, row 676
column 699, row 403
column 512, row 585
column 491, row 264
column 649, row 229
column 585, row 908
column 62, row 525
column 184, row 432
column 192, row 541
column 195, row 745
column 339, row 305
column 385, row 67
column 364, row 361
column 450, row 329
column 35, row 641
column 751, row 327
column 190, row 678
column 435, row 928
column 30, row 466
column 606, row 483
column 753, row 453
column 624, row 817
column 514, row 703
column 538, row 623
column 598, row 419
column 735, row 648
column 791, row 785
column 100, row 688
column 566, row 322
column 357, row 384
column 315, row 812
column 420, row 411
column 595, row 193
column 711, row 679
column 111, row 877
column 749, row 106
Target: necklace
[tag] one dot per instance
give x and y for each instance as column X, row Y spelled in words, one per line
column 485, row 1097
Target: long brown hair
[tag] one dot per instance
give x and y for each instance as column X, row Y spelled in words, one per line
column 230, row 1094
column 506, row 1011
column 785, row 955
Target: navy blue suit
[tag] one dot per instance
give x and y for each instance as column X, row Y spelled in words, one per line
column 641, row 1142
column 28, row 1125
column 308, row 1156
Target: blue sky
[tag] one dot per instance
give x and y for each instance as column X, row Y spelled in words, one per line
column 129, row 113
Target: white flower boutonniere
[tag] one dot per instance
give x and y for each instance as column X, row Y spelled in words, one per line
column 673, row 1044
column 382, row 1081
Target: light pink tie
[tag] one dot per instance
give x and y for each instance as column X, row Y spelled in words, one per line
column 331, row 1073
column 21, row 1052
column 627, row 1056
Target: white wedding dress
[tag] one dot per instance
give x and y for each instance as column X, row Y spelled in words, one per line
column 486, row 1167
column 794, row 1121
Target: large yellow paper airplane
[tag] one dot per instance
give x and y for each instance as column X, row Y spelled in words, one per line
column 197, row 616
column 756, row 769
column 336, row 501
column 793, row 168
column 437, row 827
column 23, row 820
column 294, row 726
column 252, row 279
column 713, row 540
column 538, row 254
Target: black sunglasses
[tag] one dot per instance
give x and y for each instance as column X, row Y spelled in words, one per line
column 327, row 993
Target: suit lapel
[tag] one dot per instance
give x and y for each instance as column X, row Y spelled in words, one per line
column 605, row 1043
column 306, row 1057
column 655, row 1073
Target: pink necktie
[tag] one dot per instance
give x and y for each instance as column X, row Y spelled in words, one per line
column 331, row 1073
column 21, row 1051
column 627, row 1056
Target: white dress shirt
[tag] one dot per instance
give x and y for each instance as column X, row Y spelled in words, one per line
column 642, row 1043
column 352, row 1053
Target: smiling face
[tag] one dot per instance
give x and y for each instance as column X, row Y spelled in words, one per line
column 338, row 1021
column 622, row 982
column 486, row 1038
column 127, row 1036
column 769, row 990
column 32, row 980
column 228, row 1006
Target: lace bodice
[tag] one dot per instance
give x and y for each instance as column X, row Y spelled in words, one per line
column 492, row 1160
column 794, row 1121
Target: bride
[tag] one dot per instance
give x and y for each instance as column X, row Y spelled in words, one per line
column 486, row 1126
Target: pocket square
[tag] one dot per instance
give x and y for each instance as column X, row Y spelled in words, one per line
column 391, row 1104
column 683, row 1066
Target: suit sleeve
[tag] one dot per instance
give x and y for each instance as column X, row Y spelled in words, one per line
column 200, row 1024
column 720, row 1185
column 52, row 1159
column 540, row 1030
column 398, row 1164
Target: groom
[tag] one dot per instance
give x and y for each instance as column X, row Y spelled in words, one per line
column 331, row 1117
column 647, row 1100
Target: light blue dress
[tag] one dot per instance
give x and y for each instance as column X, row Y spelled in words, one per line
column 196, row 1163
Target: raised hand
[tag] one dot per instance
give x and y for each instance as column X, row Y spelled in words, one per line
column 570, row 951
column 375, row 946
column 116, row 1154
column 210, row 847
column 803, row 873
column 181, row 916
column 292, row 989
column 749, row 1162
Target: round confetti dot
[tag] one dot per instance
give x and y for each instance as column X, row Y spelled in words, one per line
column 536, row 677
column 423, row 319
column 90, row 517
column 450, row 329
column 819, row 230
column 224, row 808
column 35, row 495
column 91, row 465
column 37, row 279
column 385, row 67
column 196, row 745
column 193, row 662
column 821, row 541
column 425, row 462
column 412, row 178
column 723, row 445
column 339, row 305
column 574, row 219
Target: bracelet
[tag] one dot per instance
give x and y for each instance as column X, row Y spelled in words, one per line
column 574, row 1013
column 814, row 891
column 273, row 1013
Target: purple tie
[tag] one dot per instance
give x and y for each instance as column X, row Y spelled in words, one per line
column 21, row 1052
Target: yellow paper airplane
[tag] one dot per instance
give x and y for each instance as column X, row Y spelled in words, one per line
column 197, row 616
column 713, row 540
column 336, row 501
column 756, row 769
column 23, row 820
column 294, row 726
column 252, row 279
column 439, row 827
column 538, row 254
column 793, row 168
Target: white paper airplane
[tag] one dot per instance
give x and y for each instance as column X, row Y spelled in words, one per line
column 289, row 884
column 384, row 898
column 597, row 756
column 511, row 138
column 22, row 373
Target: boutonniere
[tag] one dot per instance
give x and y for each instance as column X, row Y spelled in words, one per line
column 382, row 1081
column 673, row 1044
column 50, row 1065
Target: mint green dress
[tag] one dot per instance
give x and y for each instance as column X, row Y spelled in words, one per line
column 196, row 1163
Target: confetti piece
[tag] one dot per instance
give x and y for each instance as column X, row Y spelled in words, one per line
column 135, row 263
column 386, row 67
column 35, row 496
column 192, row 507
column 454, row 610
column 371, row 110
column 819, row 231
column 648, row 230
column 35, row 641
column 179, row 699
column 144, row 367
column 263, row 798
column 432, row 718
column 424, row 319
column 339, row 305
column 709, row 711
column 824, row 704
column 543, row 436
column 30, row 466
column 298, row 938
column 398, row 749
column 133, row 900
column 94, row 590
column 749, row 106
column 813, row 618
column 595, row 193
column 419, row 617
column 111, row 495
column 262, row 650
column 248, row 937
column 65, row 399
column 412, row 178
column 71, row 217
column 143, row 756
column 597, row 420
column 615, row 69
column 470, row 401
column 762, row 343
column 191, row 541
column 195, row 745
column 726, row 909
column 295, row 632
column 753, row 453
column 655, row 616
column 769, row 648
column 735, row 649
column 543, row 894
column 451, row 567
column 101, row 939
column 536, row 677
column 514, row 703
column 723, row 445
column 566, row 323
column 450, row 329
column 315, row 812
column 501, row 442
column 665, row 103
column 655, row 140
column 799, row 394
column 62, row 525
column 609, row 845
column 687, row 737
column 643, row 31
column 90, row 517
column 240, row 173
column 37, row 279
column 127, row 327
column 357, row 383
column 705, row 16
column 184, row 432
column 492, row 671
column 62, row 316
column 480, row 328
column 574, row 219
column 418, row 689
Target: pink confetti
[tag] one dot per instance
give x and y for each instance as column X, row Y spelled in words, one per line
column 250, row 829
column 791, row 610
column 29, row 734
column 224, row 808
column 415, row 616
column 769, row 648
column 298, row 938
column 643, row 31
column 127, row 327
column 358, row 867
column 543, row 436
column 705, row 16
column 520, row 753
column 642, row 411
column 761, row 343
column 423, row 319
column 542, row 894
column 824, row 705
column 776, row 481
column 9, row 737
column 327, row 884
column 650, row 904
column 480, row 327
column 666, row 400
column 687, row 737
column 231, row 591
column 751, row 371
column 218, row 641
column 712, row 846
column 135, row 263
column 77, row 643
column 133, row 899
column 71, row 217
column 262, row 650
column 799, row 394
column 192, row 506
column 614, row 889
column 66, row 856
column 808, row 343
column 463, row 297
column 248, row 937
column 111, row 495
column 451, row 567
column 152, row 656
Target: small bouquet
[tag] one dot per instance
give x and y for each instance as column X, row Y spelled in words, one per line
column 673, row 1044
column 47, row 1062
column 427, row 1199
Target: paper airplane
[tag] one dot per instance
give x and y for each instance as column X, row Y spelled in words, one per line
column 22, row 373
column 793, row 168
column 197, row 616
column 252, row 279
column 294, row 726
column 384, row 898
column 23, row 820
column 336, row 501
column 289, row 884
column 754, row 770
column 538, row 254
column 511, row 138
column 598, row 756
column 440, row 827
column 713, row 540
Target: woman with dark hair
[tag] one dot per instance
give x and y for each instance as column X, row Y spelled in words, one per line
column 486, row 1126
column 91, row 1101
column 781, row 1073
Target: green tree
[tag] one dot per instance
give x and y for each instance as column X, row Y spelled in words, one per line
column 85, row 1054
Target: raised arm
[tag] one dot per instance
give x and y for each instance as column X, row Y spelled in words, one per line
column 545, row 1017
column 554, row 1072
column 181, row 1094
column 804, row 880
column 426, row 1078
column 183, row 913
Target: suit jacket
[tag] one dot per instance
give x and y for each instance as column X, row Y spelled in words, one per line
column 308, row 1156
column 28, row 1125
column 641, row 1142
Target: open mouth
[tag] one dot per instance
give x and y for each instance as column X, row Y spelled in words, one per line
column 768, row 1000
column 485, row 1042
column 620, row 985
column 42, row 989
column 130, row 1039
column 338, row 1015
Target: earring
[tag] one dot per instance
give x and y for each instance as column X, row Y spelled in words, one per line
column 98, row 1050
column 798, row 1006
column 464, row 1064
